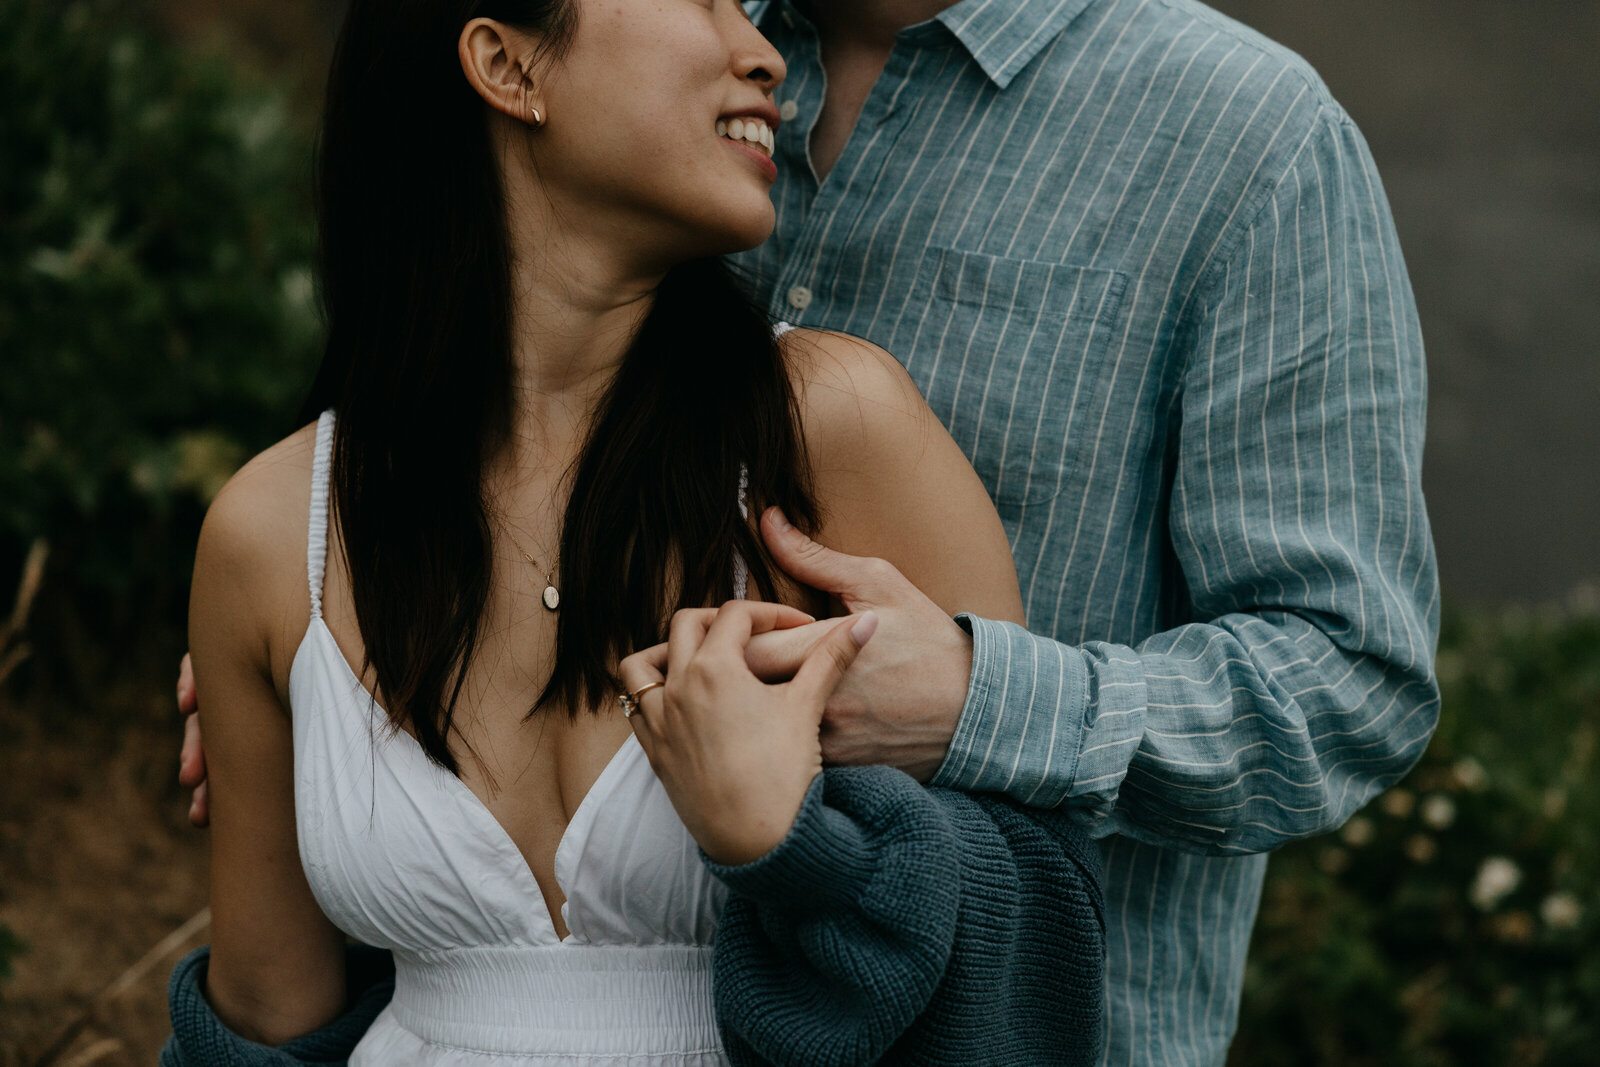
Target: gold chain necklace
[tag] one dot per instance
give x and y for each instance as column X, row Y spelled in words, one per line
column 552, row 598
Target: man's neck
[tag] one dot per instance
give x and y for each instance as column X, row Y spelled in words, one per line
column 870, row 22
column 857, row 37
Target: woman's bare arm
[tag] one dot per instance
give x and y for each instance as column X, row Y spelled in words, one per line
column 909, row 533
column 277, row 964
column 892, row 482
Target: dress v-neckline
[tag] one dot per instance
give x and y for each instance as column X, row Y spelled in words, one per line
column 494, row 831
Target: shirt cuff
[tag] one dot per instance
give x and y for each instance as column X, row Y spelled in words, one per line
column 1021, row 729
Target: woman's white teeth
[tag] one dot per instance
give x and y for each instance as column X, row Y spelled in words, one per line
column 750, row 130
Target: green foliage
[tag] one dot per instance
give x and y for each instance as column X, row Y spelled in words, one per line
column 1457, row 920
column 157, row 316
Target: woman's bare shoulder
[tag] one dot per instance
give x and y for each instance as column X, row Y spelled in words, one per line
column 890, row 480
column 856, row 400
column 265, row 499
column 252, row 550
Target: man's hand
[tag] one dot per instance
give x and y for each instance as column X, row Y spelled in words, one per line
column 901, row 700
column 192, row 757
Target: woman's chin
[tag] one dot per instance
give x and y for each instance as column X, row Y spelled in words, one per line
column 752, row 229
column 724, row 230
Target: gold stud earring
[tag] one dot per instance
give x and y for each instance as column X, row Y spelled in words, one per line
column 538, row 119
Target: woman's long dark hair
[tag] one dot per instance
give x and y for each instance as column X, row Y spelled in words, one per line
column 416, row 282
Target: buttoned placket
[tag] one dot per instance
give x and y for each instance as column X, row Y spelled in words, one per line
column 808, row 264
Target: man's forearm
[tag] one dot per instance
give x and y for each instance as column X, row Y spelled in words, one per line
column 1233, row 736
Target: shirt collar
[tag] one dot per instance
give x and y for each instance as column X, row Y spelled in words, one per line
column 1003, row 36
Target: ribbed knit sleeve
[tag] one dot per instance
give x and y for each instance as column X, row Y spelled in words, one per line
column 200, row 1039
column 907, row 925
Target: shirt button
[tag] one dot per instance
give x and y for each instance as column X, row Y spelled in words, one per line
column 788, row 110
column 799, row 297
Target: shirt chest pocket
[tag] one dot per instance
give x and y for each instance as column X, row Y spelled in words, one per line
column 1010, row 355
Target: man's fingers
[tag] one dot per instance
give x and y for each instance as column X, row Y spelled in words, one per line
column 739, row 620
column 187, row 704
column 777, row 617
column 200, row 807
column 853, row 579
column 825, row 667
column 692, row 628
column 192, row 758
column 775, row 656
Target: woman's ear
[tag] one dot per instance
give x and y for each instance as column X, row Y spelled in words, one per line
column 498, row 63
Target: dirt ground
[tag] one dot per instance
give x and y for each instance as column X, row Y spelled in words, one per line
column 98, row 871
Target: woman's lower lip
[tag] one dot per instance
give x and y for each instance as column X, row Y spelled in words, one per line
column 768, row 167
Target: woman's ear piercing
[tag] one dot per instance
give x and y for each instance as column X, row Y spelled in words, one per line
column 538, row 119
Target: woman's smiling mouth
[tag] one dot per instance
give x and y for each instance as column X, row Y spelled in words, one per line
column 748, row 130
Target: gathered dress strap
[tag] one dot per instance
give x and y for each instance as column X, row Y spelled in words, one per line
column 317, row 535
column 741, row 569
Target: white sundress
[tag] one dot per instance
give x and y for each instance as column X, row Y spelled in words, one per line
column 402, row 855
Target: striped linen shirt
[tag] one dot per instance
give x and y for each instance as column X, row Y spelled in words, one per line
column 1141, row 265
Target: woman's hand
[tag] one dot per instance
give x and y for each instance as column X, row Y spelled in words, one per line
column 735, row 754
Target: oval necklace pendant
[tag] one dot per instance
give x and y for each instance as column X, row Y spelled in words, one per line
column 552, row 599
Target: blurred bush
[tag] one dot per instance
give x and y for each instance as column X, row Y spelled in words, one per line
column 1456, row 920
column 11, row 946
column 157, row 319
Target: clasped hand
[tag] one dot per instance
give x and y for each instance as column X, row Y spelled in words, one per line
column 737, row 754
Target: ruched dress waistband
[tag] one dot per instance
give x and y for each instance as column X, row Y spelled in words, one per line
column 564, row 1000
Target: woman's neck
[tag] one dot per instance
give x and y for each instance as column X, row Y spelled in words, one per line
column 576, row 305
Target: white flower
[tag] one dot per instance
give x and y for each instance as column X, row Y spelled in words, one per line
column 1469, row 774
column 1561, row 911
column 1359, row 832
column 1496, row 879
column 1439, row 811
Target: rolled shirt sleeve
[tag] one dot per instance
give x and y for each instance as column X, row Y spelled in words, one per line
column 1305, row 684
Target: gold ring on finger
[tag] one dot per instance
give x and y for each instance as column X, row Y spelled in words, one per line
column 629, row 702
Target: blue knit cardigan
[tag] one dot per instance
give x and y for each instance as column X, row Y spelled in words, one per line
column 894, row 924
